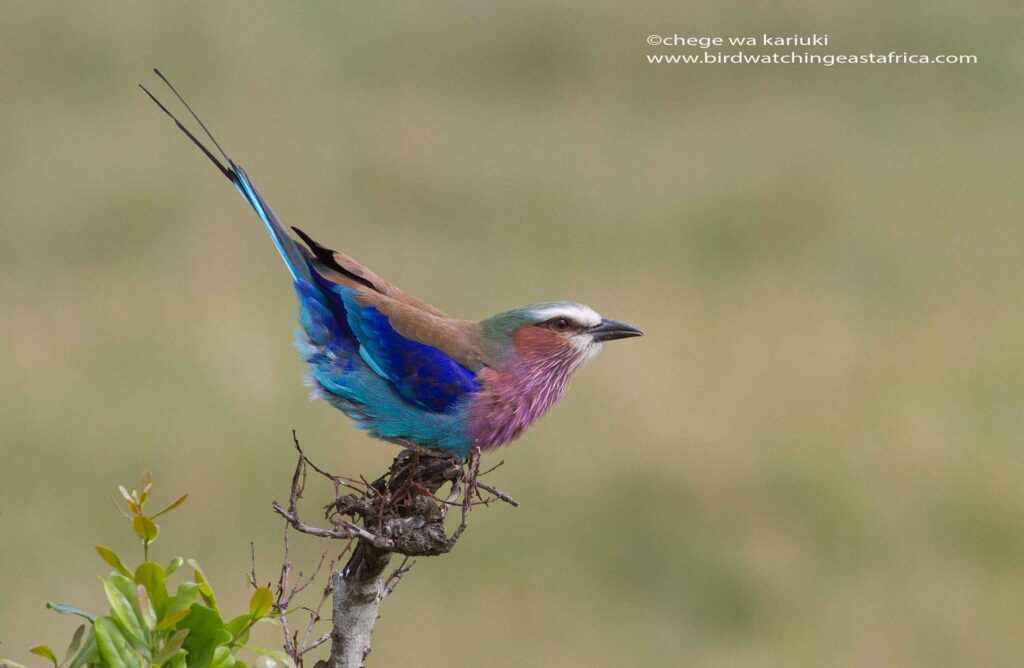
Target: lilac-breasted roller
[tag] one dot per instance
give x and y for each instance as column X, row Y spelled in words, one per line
column 407, row 372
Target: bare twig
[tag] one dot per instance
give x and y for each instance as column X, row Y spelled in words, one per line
column 499, row 493
column 252, row 568
column 396, row 575
column 400, row 512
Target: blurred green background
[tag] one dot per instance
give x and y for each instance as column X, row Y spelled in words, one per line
column 813, row 458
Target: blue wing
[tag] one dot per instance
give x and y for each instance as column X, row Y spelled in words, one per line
column 395, row 388
column 419, row 373
column 333, row 320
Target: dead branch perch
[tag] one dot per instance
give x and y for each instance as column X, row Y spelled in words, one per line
column 399, row 512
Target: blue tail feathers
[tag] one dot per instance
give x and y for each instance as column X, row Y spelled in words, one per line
column 289, row 251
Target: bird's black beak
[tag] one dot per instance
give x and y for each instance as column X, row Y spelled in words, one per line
column 609, row 330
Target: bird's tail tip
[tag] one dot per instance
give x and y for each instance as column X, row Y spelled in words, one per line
column 290, row 253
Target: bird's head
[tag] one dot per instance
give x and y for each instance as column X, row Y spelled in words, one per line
column 564, row 331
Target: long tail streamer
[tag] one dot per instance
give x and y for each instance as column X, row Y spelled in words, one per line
column 290, row 253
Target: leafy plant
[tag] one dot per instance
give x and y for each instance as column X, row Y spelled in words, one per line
column 148, row 626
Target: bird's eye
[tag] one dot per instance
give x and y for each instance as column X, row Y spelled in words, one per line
column 559, row 324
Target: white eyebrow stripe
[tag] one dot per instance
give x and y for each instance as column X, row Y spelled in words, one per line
column 584, row 315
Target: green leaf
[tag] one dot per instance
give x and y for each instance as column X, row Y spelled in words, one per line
column 146, row 610
column 154, row 579
column 172, row 619
column 145, row 528
column 179, row 660
column 113, row 646
column 121, row 607
column 239, row 628
column 76, row 640
column 206, row 633
column 43, row 650
column 171, row 507
column 205, row 590
column 183, row 600
column 145, row 484
column 222, row 658
column 111, row 558
column 68, row 609
column 129, row 499
column 90, row 652
column 171, row 648
column 261, row 602
column 173, row 565
column 172, row 660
